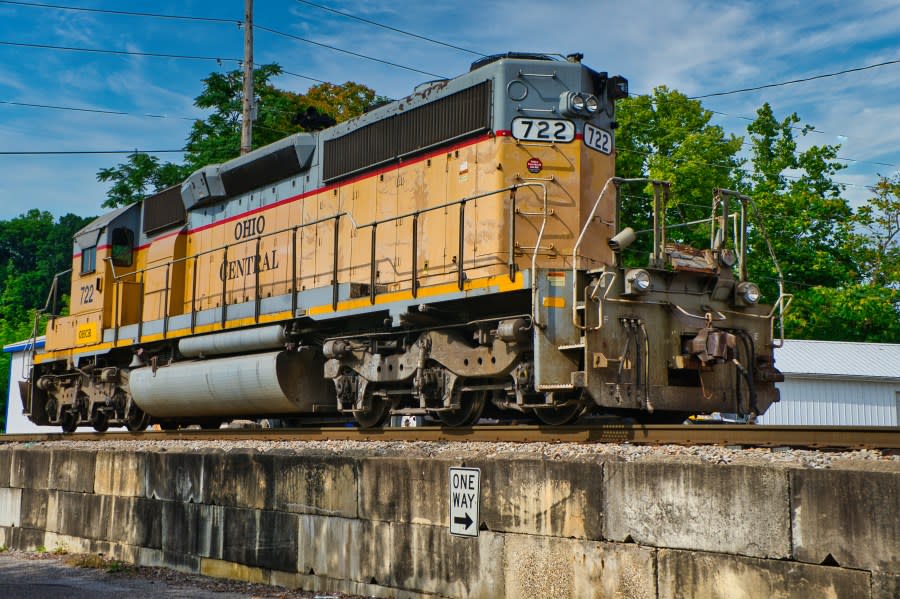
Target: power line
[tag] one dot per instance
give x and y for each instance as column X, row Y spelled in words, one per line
column 95, row 110
column 356, row 54
column 747, row 144
column 801, row 80
column 85, row 152
column 218, row 59
column 208, row 19
column 306, row 77
column 728, row 167
column 383, row 26
column 124, row 12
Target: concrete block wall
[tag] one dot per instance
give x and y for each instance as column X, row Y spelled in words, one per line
column 654, row 529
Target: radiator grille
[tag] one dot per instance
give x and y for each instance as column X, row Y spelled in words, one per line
column 458, row 115
column 164, row 210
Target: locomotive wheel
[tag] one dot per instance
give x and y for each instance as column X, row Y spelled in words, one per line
column 471, row 406
column 137, row 420
column 565, row 414
column 69, row 421
column 100, row 421
column 375, row 414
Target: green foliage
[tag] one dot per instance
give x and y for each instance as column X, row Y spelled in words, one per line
column 217, row 138
column 33, row 248
column 856, row 312
column 668, row 137
column 141, row 175
column 842, row 266
column 875, row 240
column 805, row 214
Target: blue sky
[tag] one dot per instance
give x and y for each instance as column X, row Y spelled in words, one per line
column 697, row 47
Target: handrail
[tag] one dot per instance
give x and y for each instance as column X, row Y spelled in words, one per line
column 779, row 306
column 616, row 182
column 415, row 214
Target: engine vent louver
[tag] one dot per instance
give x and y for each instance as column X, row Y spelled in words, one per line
column 456, row 116
column 163, row 210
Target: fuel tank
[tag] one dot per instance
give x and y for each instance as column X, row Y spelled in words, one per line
column 233, row 342
column 256, row 385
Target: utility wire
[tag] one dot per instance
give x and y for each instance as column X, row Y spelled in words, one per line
column 124, row 12
column 801, row 80
column 729, row 167
column 336, row 49
column 218, row 59
column 383, row 26
column 95, row 110
column 306, row 77
column 208, row 19
column 748, row 144
column 80, row 152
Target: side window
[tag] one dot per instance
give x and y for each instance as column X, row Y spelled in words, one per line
column 88, row 260
column 122, row 247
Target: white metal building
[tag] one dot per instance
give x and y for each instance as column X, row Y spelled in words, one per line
column 837, row 383
column 16, row 422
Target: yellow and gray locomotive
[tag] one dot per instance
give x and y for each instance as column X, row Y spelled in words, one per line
column 455, row 250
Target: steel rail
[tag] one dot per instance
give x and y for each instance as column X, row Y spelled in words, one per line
column 818, row 437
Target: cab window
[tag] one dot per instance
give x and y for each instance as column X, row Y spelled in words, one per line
column 88, row 260
column 122, row 247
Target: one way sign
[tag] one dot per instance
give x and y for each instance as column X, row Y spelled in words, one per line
column 465, row 493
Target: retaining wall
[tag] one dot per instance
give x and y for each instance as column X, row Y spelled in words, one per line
column 350, row 522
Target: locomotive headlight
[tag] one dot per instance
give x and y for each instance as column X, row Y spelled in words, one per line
column 592, row 103
column 748, row 292
column 577, row 102
column 637, row 281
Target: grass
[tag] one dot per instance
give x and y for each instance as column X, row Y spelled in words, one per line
column 96, row 561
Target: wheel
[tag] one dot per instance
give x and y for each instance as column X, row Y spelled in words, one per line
column 564, row 414
column 100, row 421
column 375, row 414
column 136, row 420
column 471, row 406
column 69, row 421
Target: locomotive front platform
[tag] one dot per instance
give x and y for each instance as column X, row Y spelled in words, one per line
column 553, row 520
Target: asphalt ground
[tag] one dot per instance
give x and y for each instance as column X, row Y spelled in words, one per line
column 48, row 576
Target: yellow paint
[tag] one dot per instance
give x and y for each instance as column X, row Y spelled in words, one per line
column 88, row 333
column 217, row 568
column 554, row 302
column 572, row 175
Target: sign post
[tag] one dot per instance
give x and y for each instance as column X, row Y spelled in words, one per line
column 465, row 497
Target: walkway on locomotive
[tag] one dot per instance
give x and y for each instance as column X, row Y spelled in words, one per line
column 483, row 179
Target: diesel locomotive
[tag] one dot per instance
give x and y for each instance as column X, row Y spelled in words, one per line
column 455, row 251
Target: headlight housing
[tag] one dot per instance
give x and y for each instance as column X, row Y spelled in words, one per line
column 578, row 104
column 637, row 280
column 747, row 293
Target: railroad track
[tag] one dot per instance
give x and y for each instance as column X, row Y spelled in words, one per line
column 817, row 437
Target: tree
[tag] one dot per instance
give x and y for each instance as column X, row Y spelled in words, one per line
column 804, row 214
column 139, row 176
column 669, row 137
column 217, row 138
column 875, row 240
column 33, row 248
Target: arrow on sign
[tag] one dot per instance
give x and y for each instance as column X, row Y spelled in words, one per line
column 467, row 521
